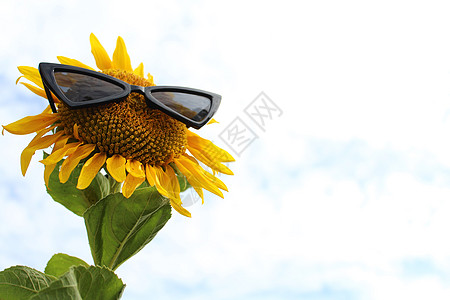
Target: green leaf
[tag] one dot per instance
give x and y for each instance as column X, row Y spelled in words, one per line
column 118, row 227
column 75, row 200
column 60, row 263
column 22, row 282
column 81, row 283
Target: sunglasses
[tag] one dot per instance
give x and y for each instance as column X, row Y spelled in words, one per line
column 78, row 87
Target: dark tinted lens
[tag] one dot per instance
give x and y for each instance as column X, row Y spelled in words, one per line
column 192, row 106
column 78, row 87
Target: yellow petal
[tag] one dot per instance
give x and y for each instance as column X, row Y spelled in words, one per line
column 72, row 161
column 40, row 134
column 25, row 159
column 192, row 181
column 60, row 143
column 101, row 56
column 47, row 110
column 174, row 185
column 31, row 124
column 208, row 149
column 32, row 74
column 151, row 175
column 150, row 79
column 48, row 169
column 58, row 154
column 187, row 156
column 219, row 183
column 161, row 181
column 18, row 79
column 73, row 62
column 205, row 181
column 34, row 89
column 166, row 185
column 195, row 176
column 116, row 167
column 208, row 175
column 121, row 59
column 90, row 170
column 130, row 184
column 196, row 187
column 139, row 71
column 36, row 144
column 212, row 121
column 180, row 209
column 75, row 131
column 215, row 165
column 135, row 168
column 199, row 192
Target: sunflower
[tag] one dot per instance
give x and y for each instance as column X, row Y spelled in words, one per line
column 130, row 141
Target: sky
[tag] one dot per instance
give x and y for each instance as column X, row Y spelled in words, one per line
column 342, row 174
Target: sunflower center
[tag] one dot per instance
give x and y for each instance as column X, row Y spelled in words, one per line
column 129, row 127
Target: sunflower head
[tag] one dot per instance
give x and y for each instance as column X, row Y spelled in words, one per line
column 130, row 141
column 128, row 128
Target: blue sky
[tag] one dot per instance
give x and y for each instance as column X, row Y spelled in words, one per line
column 345, row 195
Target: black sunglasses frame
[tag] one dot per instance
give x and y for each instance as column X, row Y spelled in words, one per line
column 47, row 71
